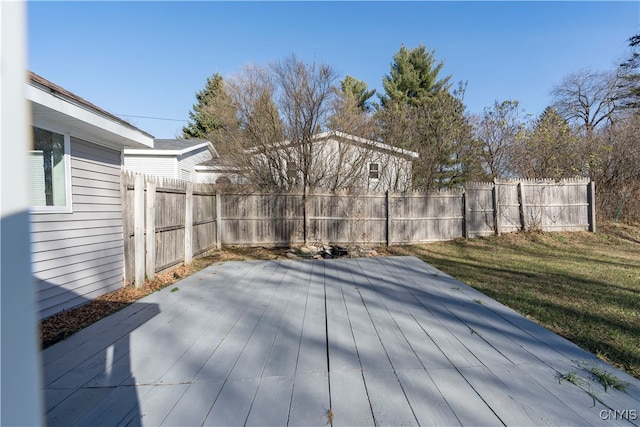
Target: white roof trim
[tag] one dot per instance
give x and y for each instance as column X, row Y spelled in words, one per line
column 327, row 135
column 82, row 120
column 154, row 152
column 199, row 168
column 376, row 144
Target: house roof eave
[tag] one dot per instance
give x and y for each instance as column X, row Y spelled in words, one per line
column 53, row 105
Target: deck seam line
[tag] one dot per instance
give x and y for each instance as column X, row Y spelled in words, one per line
column 240, row 353
column 355, row 343
column 266, row 360
column 393, row 368
column 304, row 318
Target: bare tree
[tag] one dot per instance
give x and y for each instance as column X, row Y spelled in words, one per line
column 287, row 126
column 618, row 170
column 260, row 128
column 590, row 102
column 497, row 133
column 588, row 99
column 303, row 94
column 548, row 150
column 290, row 118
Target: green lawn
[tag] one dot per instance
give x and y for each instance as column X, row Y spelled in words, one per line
column 583, row 286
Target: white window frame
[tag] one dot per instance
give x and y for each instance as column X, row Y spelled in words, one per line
column 369, row 171
column 68, row 206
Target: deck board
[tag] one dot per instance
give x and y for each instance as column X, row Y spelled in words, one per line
column 384, row 341
column 272, row 402
column 310, row 400
column 194, row 405
column 428, row 404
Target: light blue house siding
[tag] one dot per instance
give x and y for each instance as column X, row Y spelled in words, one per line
column 77, row 251
column 78, row 256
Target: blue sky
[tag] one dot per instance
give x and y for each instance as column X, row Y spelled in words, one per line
column 150, row 58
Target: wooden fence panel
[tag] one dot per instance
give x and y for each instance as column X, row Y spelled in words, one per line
column 553, row 206
column 426, row 217
column 344, row 218
column 204, row 222
column 170, row 223
column 255, row 219
column 480, row 199
column 509, row 207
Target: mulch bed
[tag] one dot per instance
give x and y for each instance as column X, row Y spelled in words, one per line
column 64, row 324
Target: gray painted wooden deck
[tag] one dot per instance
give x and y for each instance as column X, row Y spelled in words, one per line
column 376, row 341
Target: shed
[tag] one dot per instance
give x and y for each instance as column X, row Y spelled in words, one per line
column 188, row 159
column 336, row 161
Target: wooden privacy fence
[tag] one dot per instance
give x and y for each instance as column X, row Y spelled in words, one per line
column 168, row 221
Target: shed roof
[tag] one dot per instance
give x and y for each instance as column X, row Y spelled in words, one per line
column 172, row 147
column 177, row 144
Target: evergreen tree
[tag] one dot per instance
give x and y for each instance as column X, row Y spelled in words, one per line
column 356, row 90
column 351, row 109
column 630, row 71
column 419, row 113
column 212, row 113
column 413, row 77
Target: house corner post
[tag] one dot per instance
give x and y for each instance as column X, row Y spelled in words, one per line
column 188, row 224
column 151, row 231
column 22, row 393
column 138, row 231
column 592, row 206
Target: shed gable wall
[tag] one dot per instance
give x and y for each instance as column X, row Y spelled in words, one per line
column 164, row 166
column 187, row 163
column 78, row 256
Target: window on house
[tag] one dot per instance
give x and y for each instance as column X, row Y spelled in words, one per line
column 48, row 167
column 374, row 170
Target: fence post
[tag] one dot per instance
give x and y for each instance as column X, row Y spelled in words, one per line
column 138, row 230
column 523, row 212
column 592, row 206
column 466, row 214
column 496, row 207
column 188, row 224
column 126, row 232
column 388, row 213
column 305, row 214
column 218, row 221
column 151, row 230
